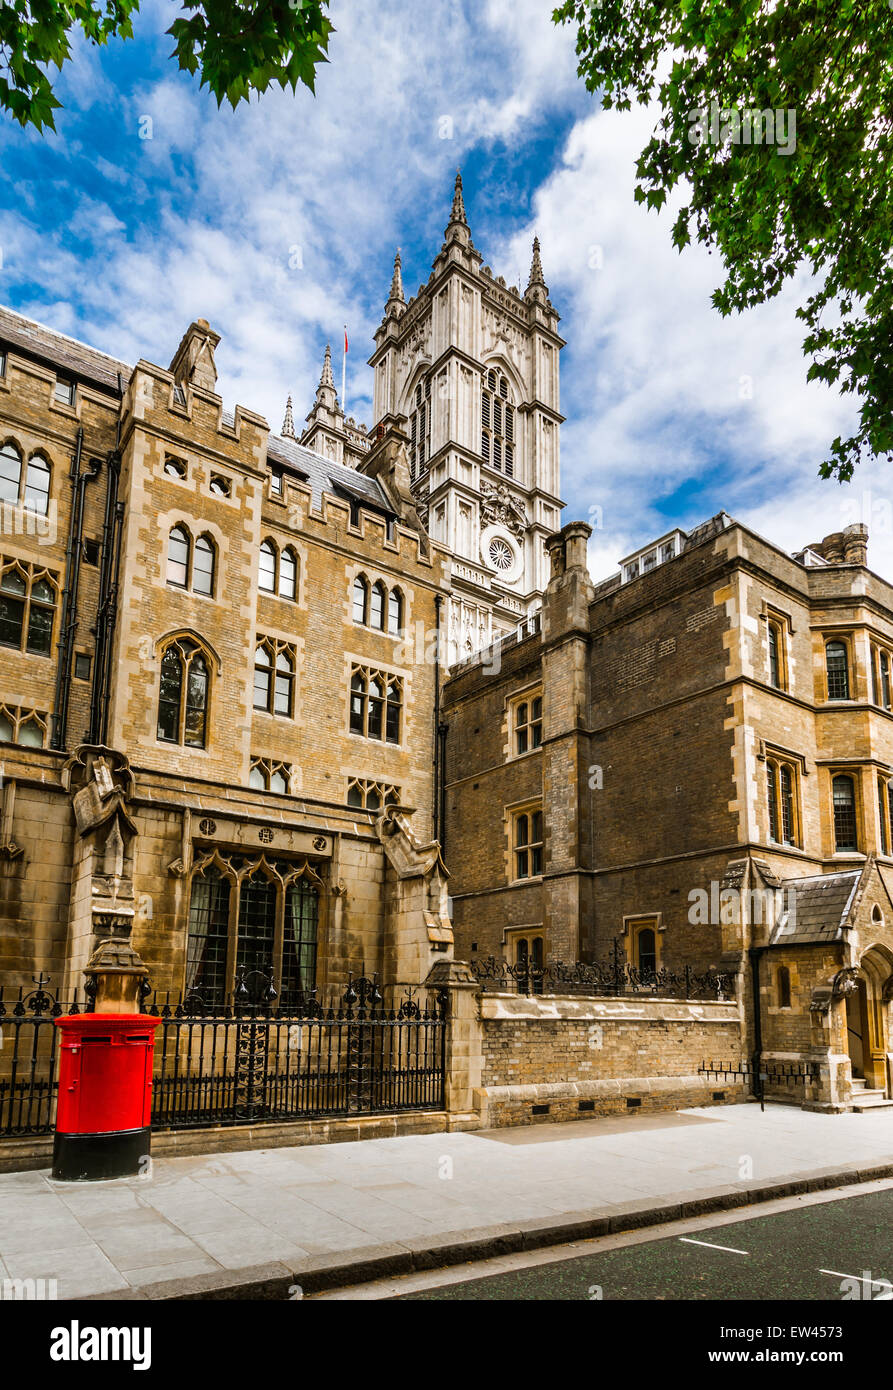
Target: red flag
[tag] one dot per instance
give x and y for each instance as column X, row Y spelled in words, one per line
column 346, row 348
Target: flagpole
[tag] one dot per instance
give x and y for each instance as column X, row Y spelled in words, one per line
column 344, row 375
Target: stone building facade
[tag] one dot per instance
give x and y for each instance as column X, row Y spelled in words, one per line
column 694, row 759
column 213, row 732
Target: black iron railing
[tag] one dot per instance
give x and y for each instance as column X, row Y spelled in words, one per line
column 612, row 977
column 259, row 1060
column 29, row 1053
column 253, row 1059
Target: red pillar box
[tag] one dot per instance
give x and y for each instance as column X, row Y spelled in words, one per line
column 105, row 1096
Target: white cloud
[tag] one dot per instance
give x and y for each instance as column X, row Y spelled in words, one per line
column 663, row 396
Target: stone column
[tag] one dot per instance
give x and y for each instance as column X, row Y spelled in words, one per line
column 464, row 1045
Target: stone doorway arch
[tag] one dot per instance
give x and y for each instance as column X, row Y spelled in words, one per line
column 868, row 1028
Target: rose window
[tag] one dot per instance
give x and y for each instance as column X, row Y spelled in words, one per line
column 501, row 556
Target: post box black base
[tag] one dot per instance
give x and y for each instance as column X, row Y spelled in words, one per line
column 97, row 1157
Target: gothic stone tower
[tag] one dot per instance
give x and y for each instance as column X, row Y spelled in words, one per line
column 469, row 369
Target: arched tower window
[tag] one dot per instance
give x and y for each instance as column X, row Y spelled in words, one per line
column 420, row 429
column 497, row 424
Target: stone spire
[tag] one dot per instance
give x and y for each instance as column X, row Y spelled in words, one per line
column 458, row 211
column 457, row 228
column 396, row 298
column 327, row 379
column 536, row 288
column 288, row 424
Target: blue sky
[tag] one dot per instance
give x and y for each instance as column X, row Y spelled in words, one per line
column 278, row 223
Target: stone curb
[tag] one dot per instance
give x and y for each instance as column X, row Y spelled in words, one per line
column 321, row 1273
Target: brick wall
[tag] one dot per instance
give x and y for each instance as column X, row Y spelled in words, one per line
column 563, row 1058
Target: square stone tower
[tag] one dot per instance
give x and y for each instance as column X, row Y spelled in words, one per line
column 469, row 368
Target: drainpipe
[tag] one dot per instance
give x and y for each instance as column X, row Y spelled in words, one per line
column 438, row 602
column 108, row 589
column 442, row 731
column 755, row 953
column 69, row 619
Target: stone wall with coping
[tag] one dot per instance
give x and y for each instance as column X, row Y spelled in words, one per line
column 562, row 1057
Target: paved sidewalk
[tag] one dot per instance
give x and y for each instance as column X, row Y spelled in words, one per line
column 304, row 1208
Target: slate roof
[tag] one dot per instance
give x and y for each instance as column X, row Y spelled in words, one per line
column 820, row 908
column 84, row 363
column 58, row 350
column 326, row 476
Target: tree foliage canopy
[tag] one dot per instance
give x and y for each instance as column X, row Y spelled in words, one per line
column 238, row 46
column 824, row 205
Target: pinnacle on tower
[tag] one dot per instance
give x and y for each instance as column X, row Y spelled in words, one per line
column 327, row 379
column 458, row 210
column 458, row 232
column 536, row 270
column 288, row 424
column 396, row 295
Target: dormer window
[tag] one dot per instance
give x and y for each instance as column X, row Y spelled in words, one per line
column 631, row 572
column 276, row 483
column 64, row 392
column 668, row 550
column 649, row 561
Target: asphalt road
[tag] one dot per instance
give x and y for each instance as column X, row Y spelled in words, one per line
column 804, row 1254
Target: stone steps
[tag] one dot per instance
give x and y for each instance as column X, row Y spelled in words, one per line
column 868, row 1099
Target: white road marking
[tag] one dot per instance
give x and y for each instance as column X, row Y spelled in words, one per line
column 729, row 1249
column 878, row 1283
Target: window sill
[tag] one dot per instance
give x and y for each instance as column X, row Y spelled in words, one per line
column 378, row 742
column 522, row 882
column 519, row 757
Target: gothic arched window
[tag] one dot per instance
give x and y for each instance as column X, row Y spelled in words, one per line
column 288, row 574
column 178, row 551
column 27, row 609
column 10, row 473
column 267, row 576
column 183, row 695
column 377, row 610
column 395, row 612
column 285, row 681
column 263, row 670
column 360, row 600
column 37, row 485
column 203, row 566
column 420, row 429
column 208, row 937
column 497, row 424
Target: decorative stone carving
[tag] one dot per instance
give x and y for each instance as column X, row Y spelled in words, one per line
column 500, row 508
